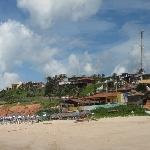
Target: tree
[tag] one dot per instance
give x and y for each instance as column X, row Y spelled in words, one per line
column 114, row 76
column 52, row 86
column 103, row 75
column 141, row 88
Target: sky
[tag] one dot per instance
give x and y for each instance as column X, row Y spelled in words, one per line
column 40, row 38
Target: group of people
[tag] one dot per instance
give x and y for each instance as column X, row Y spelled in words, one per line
column 18, row 119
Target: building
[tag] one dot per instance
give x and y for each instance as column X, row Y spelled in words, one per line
column 15, row 86
column 80, row 102
column 81, row 81
column 145, row 76
column 129, row 78
column 64, row 82
column 104, row 97
column 145, row 82
column 27, row 85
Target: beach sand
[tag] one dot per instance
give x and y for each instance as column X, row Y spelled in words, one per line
column 130, row 133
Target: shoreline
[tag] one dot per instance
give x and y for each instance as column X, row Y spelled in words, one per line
column 120, row 118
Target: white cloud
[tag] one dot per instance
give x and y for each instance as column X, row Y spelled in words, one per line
column 18, row 46
column 74, row 61
column 6, row 79
column 88, row 68
column 119, row 69
column 53, row 52
column 53, row 68
column 15, row 39
column 82, row 63
column 126, row 55
column 46, row 12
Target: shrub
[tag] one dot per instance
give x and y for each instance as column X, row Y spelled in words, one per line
column 123, row 110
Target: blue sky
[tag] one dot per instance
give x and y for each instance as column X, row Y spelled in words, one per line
column 48, row 37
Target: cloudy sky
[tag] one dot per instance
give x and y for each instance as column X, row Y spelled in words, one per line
column 47, row 37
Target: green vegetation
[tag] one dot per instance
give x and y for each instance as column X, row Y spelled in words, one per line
column 53, row 88
column 29, row 94
column 123, row 110
column 91, row 88
column 24, row 97
column 141, row 88
column 47, row 111
column 46, row 103
column 49, row 96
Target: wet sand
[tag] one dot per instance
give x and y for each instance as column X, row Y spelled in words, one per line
column 132, row 133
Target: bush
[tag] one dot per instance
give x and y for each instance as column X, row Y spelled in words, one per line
column 30, row 94
column 91, row 88
column 141, row 88
column 123, row 110
column 47, row 111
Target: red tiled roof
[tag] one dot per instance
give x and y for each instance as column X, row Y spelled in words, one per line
column 86, row 78
column 102, row 95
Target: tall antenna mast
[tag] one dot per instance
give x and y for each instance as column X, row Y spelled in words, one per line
column 142, row 48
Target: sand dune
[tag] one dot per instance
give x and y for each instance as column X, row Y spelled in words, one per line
column 106, row 134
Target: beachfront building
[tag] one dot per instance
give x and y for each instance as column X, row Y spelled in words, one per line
column 107, row 97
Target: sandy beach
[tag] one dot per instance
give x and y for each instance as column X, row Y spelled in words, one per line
column 106, row 134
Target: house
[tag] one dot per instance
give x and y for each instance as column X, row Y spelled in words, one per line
column 38, row 85
column 8, row 88
column 15, row 86
column 104, row 97
column 145, row 82
column 145, row 76
column 129, row 78
column 64, row 82
column 126, row 88
column 108, row 97
column 29, row 85
column 86, row 80
column 80, row 102
column 136, row 98
column 81, row 81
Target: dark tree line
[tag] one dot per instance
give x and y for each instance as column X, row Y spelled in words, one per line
column 53, row 89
